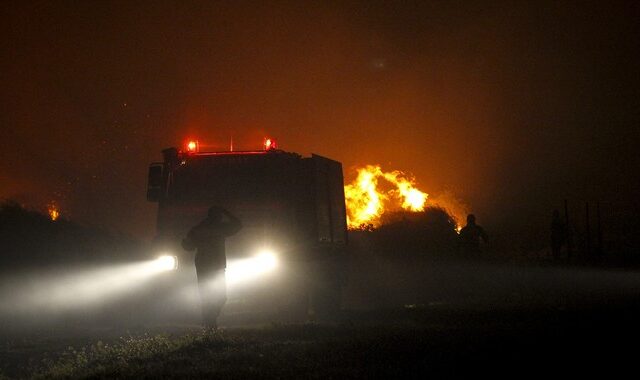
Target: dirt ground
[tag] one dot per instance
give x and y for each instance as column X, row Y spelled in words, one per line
column 400, row 343
column 444, row 319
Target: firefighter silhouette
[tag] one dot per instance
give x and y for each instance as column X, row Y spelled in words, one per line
column 208, row 238
column 470, row 236
column 558, row 234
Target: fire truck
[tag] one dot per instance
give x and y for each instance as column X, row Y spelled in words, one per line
column 292, row 209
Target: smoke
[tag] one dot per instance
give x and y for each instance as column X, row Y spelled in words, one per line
column 477, row 97
column 77, row 289
column 453, row 205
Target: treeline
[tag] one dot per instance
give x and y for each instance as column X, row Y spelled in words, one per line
column 29, row 239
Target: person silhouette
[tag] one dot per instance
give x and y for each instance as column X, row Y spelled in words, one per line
column 558, row 234
column 208, row 238
column 470, row 235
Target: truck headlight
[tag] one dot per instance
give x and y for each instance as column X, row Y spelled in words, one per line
column 266, row 260
column 247, row 269
column 166, row 263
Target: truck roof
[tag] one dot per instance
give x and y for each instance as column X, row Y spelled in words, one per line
column 174, row 155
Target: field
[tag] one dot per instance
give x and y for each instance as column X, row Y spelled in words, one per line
column 410, row 345
column 405, row 314
column 593, row 332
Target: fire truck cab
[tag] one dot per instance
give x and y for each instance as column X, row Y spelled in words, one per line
column 290, row 205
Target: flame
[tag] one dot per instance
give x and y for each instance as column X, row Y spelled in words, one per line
column 366, row 201
column 455, row 207
column 53, row 211
column 375, row 191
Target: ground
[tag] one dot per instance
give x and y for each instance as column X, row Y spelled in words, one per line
column 401, row 343
column 400, row 318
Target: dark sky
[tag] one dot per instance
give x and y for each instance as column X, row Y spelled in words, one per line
column 512, row 106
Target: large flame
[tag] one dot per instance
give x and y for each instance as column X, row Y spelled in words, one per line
column 366, row 201
column 375, row 192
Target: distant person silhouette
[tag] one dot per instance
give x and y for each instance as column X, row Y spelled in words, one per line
column 558, row 234
column 470, row 236
column 208, row 237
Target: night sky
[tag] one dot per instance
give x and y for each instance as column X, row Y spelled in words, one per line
column 511, row 106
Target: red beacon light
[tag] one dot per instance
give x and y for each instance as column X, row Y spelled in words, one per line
column 270, row 144
column 192, row 146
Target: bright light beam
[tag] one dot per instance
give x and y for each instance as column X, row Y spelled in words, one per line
column 83, row 289
column 244, row 270
column 165, row 263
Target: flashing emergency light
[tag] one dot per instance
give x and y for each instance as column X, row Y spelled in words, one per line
column 192, row 146
column 270, row 143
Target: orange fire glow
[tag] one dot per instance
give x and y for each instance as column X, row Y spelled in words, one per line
column 375, row 192
column 53, row 211
column 366, row 201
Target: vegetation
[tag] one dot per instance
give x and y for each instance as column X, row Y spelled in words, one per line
column 294, row 351
column 418, row 343
column 32, row 239
column 126, row 357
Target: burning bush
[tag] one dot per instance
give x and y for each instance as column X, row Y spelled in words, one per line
column 375, row 196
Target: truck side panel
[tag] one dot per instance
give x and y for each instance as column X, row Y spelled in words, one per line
column 329, row 201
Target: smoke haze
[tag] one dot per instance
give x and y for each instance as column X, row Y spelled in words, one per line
column 511, row 107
